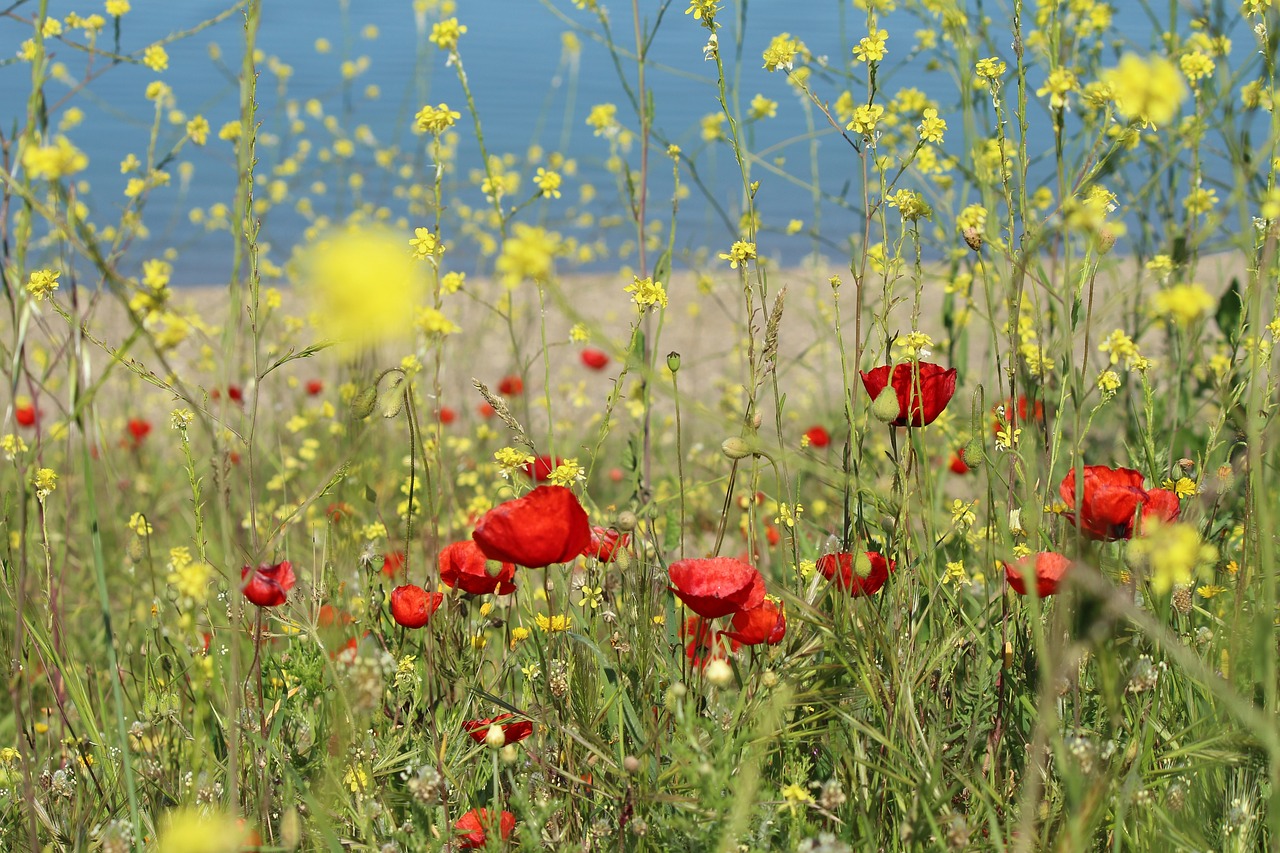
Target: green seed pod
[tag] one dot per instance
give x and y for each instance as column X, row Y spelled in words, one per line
column 735, row 447
column 673, row 361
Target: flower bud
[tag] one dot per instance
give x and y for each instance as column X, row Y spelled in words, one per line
column 1106, row 239
column 719, row 673
column 626, row 521
column 362, row 404
column 862, row 565
column 631, row 764
column 509, row 754
column 886, row 408
column 673, row 361
column 495, row 737
column 972, row 453
column 735, row 447
column 973, row 237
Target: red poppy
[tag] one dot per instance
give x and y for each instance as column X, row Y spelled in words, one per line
column 605, row 543
column 463, row 566
column 701, row 644
column 615, row 475
column 511, row 386
column 138, row 430
column 234, row 393
column 764, row 624
column 268, row 585
column 392, row 562
column 716, row 586
column 818, row 436
column 864, row 578
column 595, row 359
column 27, row 415
column 924, row 393
column 338, row 511
column 957, row 464
column 486, row 411
column 328, row 616
column 539, row 470
column 1017, row 415
column 412, row 606
column 512, row 732
column 1049, row 568
column 1111, row 500
column 448, row 415
column 347, row 653
column 314, row 387
column 474, row 824
column 771, row 535
column 546, row 526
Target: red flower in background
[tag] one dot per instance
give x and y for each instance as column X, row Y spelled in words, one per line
column 412, row 606
column 139, row 429
column 448, row 415
column 860, row 577
column 392, row 562
column 595, row 359
column 764, row 624
column 1017, row 415
column 26, row 415
column 716, row 586
column 957, row 464
column 605, row 543
column 1049, row 569
column 463, row 566
column 314, row 387
column 338, row 512
column 1111, row 500
column 486, row 411
column 474, row 824
column 917, row 406
column 511, row 386
column 818, row 436
column 513, row 732
column 539, row 470
column 268, row 585
column 546, row 526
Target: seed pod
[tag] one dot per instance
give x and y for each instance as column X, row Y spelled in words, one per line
column 736, row 447
column 886, row 408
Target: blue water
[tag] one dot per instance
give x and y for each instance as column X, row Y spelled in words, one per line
column 525, row 94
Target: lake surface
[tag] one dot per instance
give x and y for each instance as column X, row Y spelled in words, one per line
column 524, row 89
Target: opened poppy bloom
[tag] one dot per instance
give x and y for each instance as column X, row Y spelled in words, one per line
column 392, row 562
column 546, row 526
column 764, row 624
column 605, row 543
column 412, row 606
column 701, row 644
column 595, row 359
column 474, row 825
column 539, row 470
column 139, row 429
column 448, row 415
column 1111, row 500
column 511, row 386
column 268, row 585
column 861, row 576
column 922, row 394
column 485, row 410
column 818, row 436
column 716, row 586
column 26, row 415
column 464, row 566
column 314, row 387
column 1049, row 569
column 957, row 464
column 1016, row 416
column 512, row 732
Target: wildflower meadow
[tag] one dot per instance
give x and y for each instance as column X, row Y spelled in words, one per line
column 706, row 425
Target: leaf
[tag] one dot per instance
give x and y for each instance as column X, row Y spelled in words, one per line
column 1230, row 309
column 370, row 495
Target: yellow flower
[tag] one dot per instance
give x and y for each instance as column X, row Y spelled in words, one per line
column 424, row 244
column 1196, row 66
column 1149, row 91
column 117, row 8
column 446, row 33
column 865, row 119
column 872, row 47
column 552, row 624
column 567, row 473
column 435, row 119
column 138, row 524
column 528, row 254
column 1184, row 303
column 781, row 52
column 1173, row 552
column 795, row 796
column 42, row 283
column 990, row 69
column 1210, row 590
column 155, row 57
column 55, row 161
column 45, row 481
column 1060, row 83
column 198, row 130
column 932, row 127
column 646, row 293
column 548, row 183
column 739, row 253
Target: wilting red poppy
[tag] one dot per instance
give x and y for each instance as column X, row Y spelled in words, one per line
column 1111, row 500
column 605, row 542
column 716, row 586
column 957, row 464
column 539, row 470
column 139, row 429
column 1049, row 568
column 314, row 387
column 463, row 566
column 448, row 415
column 595, row 359
column 512, row 732
column 1016, row 416
column 818, row 436
column 268, row 585
column 764, row 624
column 474, row 824
column 859, row 577
column 917, row 406
column 392, row 562
column 27, row 415
column 511, row 386
column 412, row 606
column 546, row 526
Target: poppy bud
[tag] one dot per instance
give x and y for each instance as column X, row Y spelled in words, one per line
column 973, row 455
column 885, row 407
column 862, row 565
column 736, row 447
column 631, row 764
column 495, row 737
column 362, row 404
column 719, row 673
column 673, row 361
column 509, row 754
column 626, row 521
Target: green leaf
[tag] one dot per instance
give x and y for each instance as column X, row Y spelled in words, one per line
column 1230, row 309
column 370, row 495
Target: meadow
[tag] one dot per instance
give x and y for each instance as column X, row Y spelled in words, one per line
column 519, row 498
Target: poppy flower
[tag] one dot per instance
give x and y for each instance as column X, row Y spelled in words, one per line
column 957, row 464
column 328, row 616
column 860, row 577
column 764, row 624
column 605, row 543
column 701, row 644
column 314, row 387
column 448, row 415
column 595, row 359
column 463, row 566
column 1016, row 416
column 1049, row 569
column 26, row 415
column 268, row 585
column 338, row 512
column 818, row 436
column 512, row 732
column 922, row 394
column 1111, row 500
column 539, row 470
column 392, row 562
column 716, row 586
column 139, row 429
column 511, row 386
column 546, row 526
column 412, row 606
column 474, row 824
